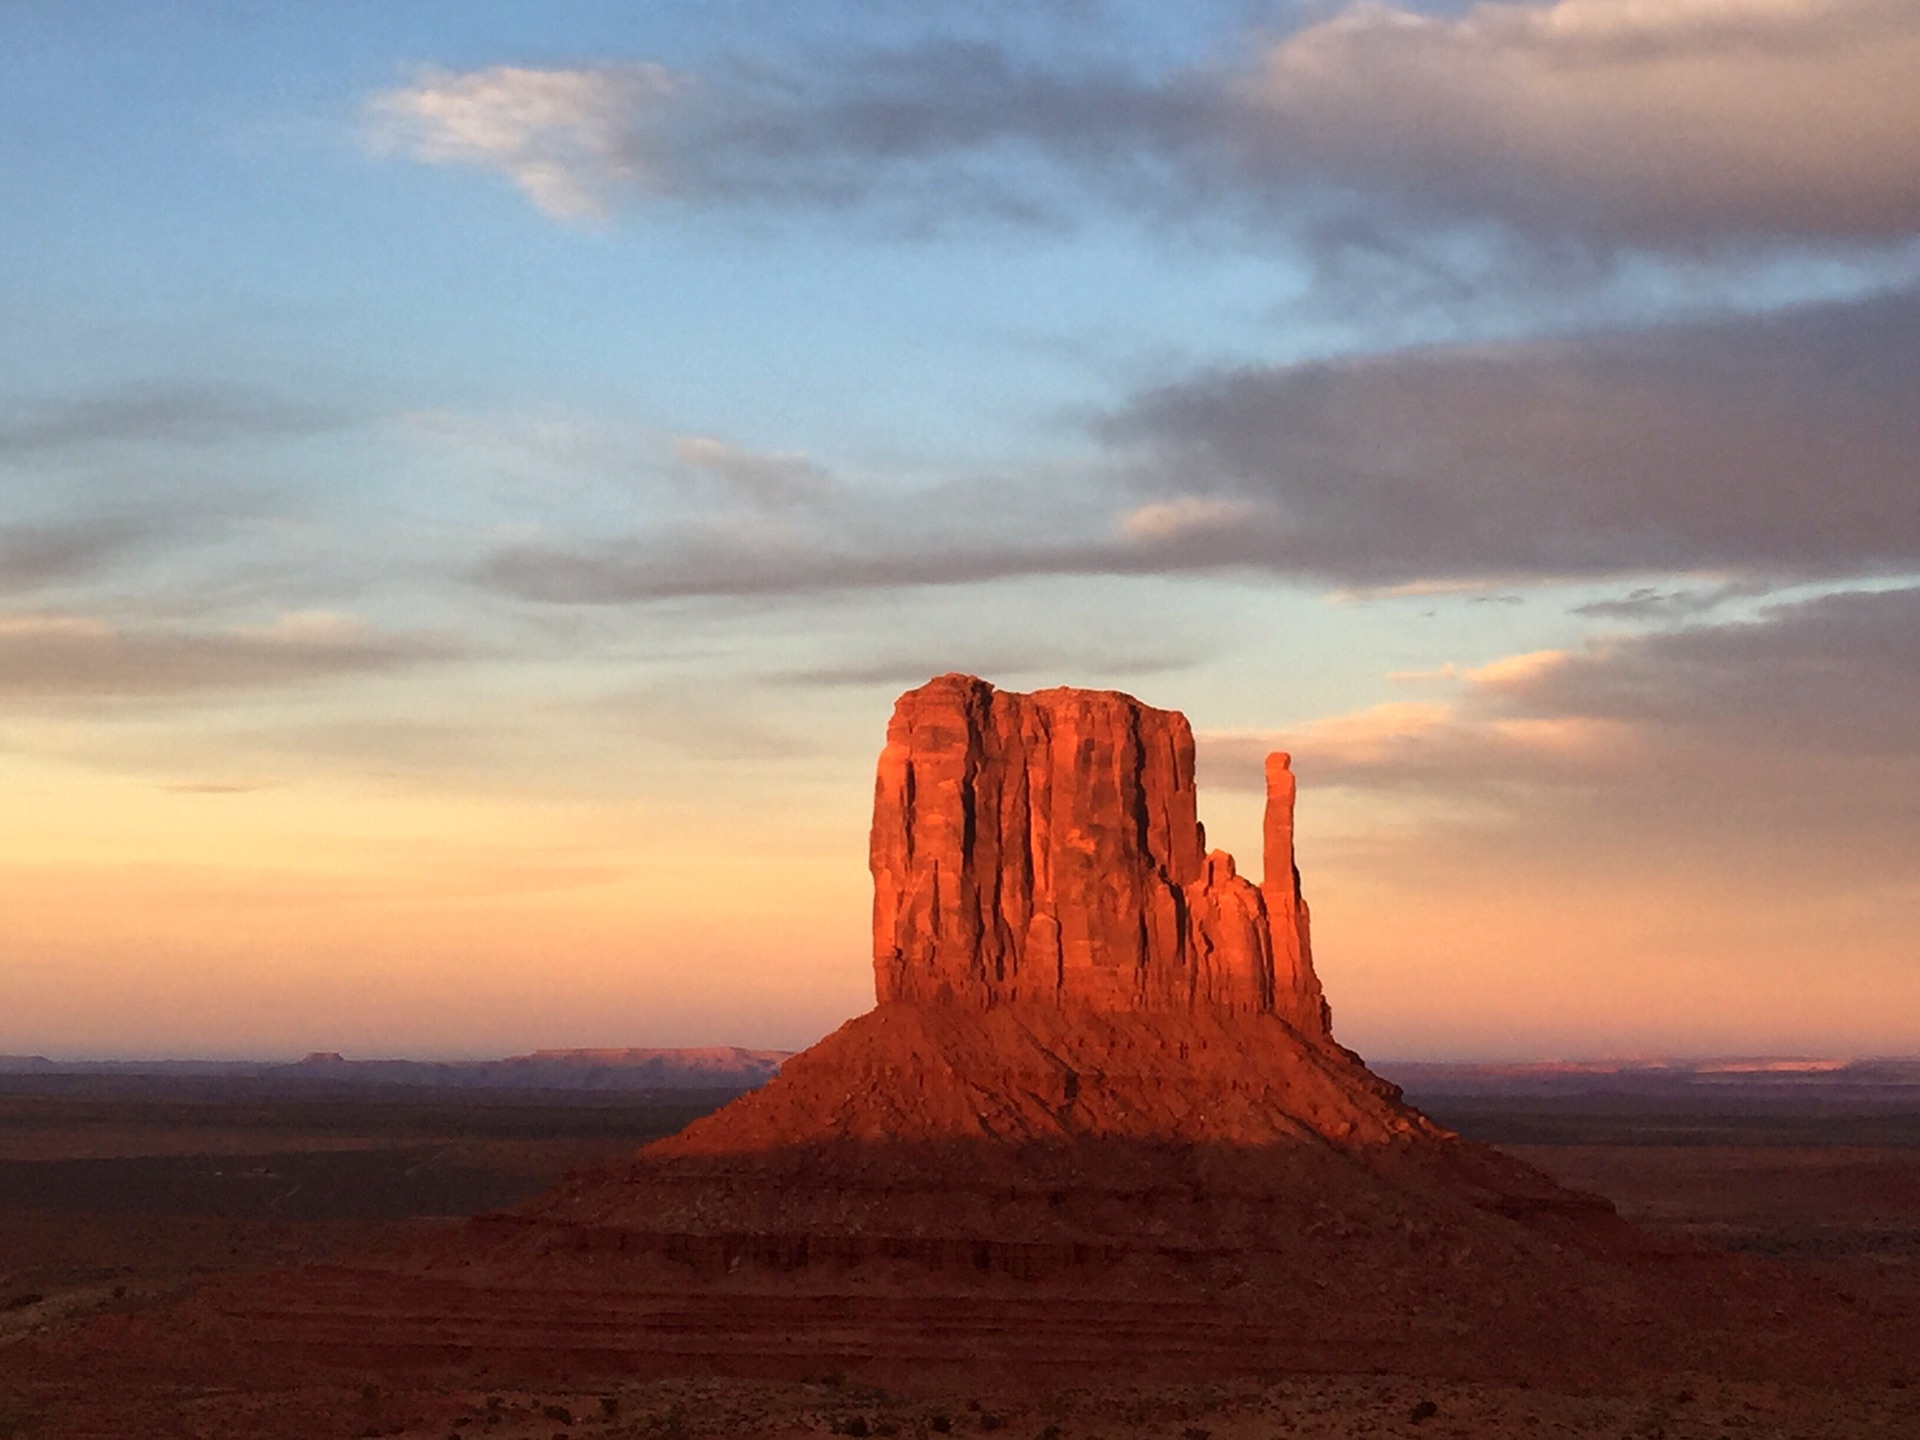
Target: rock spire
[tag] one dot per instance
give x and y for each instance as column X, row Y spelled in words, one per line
column 1046, row 847
column 1295, row 984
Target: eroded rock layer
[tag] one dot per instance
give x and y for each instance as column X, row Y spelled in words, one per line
column 1030, row 1191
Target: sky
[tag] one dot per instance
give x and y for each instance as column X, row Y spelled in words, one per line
column 475, row 476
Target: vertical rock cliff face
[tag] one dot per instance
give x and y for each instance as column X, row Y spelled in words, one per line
column 1298, row 989
column 1046, row 847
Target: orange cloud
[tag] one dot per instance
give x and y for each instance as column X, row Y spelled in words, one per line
column 1703, row 840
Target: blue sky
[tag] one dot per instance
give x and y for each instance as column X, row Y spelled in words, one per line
column 458, row 452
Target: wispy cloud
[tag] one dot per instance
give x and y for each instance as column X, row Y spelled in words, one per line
column 689, row 718
column 1807, row 694
column 157, row 413
column 717, row 563
column 1654, row 603
column 33, row 556
column 1781, row 444
column 996, row 660
column 1752, row 449
column 762, row 477
column 1185, row 516
column 1669, row 123
column 1642, row 835
column 1616, row 121
column 55, row 656
column 1764, row 767
column 573, row 140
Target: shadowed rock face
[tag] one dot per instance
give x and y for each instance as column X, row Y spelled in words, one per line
column 1046, row 847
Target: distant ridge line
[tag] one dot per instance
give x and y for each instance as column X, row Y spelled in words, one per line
column 1896, row 1075
column 709, row 1067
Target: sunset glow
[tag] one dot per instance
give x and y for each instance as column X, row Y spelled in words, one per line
column 474, row 478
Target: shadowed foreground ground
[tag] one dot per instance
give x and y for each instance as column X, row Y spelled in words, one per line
column 157, row 1195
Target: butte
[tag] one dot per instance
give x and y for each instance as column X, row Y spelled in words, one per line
column 1096, row 1126
column 1096, row 1123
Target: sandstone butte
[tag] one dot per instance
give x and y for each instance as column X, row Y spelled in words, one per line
column 1096, row 1125
column 1047, row 847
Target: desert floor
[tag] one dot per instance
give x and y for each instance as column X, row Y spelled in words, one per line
column 125, row 1194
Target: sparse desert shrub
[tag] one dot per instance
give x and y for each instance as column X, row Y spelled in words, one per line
column 610, row 1407
column 1425, row 1410
column 557, row 1412
column 940, row 1424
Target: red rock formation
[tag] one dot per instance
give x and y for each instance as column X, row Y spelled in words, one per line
column 1046, row 847
column 1094, row 1128
column 1297, row 989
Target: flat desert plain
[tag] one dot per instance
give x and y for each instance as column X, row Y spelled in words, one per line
column 125, row 1193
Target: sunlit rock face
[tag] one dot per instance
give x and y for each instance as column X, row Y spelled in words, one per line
column 1296, row 988
column 1046, row 847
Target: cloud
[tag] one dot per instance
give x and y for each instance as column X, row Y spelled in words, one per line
column 838, row 132
column 1651, row 603
column 1751, row 450
column 871, row 551
column 1668, row 125
column 1665, row 123
column 758, row 476
column 685, row 718
column 1798, row 720
column 1704, row 837
column 1788, row 443
column 1653, row 837
column 1185, row 516
column 572, row 140
column 163, row 413
column 1837, row 676
column 997, row 661
column 52, row 656
column 32, row 557
column 711, row 565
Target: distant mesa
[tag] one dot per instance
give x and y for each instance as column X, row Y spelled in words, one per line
column 711, row 1069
